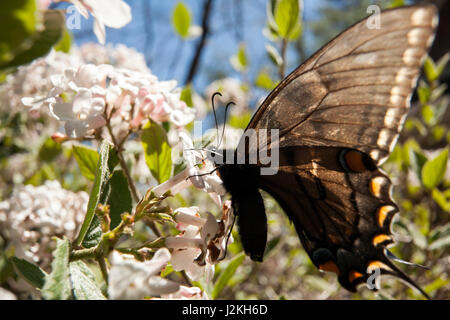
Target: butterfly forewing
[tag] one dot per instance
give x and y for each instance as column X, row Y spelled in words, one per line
column 355, row 91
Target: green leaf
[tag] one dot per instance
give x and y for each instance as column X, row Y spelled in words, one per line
column 441, row 243
column 46, row 172
column 240, row 121
column 436, row 93
column 434, row 71
column 186, row 95
column 239, row 60
column 430, row 69
column 17, row 23
column 417, row 160
column 39, row 43
column 287, row 18
column 226, row 275
column 181, row 20
column 158, row 154
column 30, row 272
column 441, row 199
column 49, row 150
column 83, row 282
column 271, row 245
column 396, row 3
column 442, row 63
column 168, row 269
column 102, row 174
column 433, row 171
column 263, row 80
column 87, row 160
column 436, row 284
column 274, row 55
column 427, row 114
column 438, row 132
column 119, row 199
column 64, row 43
column 57, row 283
column 423, row 92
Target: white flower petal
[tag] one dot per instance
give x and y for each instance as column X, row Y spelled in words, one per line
column 158, row 286
column 76, row 128
column 62, row 111
column 113, row 13
column 99, row 30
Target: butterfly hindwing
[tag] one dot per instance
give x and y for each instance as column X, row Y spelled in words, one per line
column 341, row 207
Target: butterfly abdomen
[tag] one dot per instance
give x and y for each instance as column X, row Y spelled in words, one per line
column 242, row 184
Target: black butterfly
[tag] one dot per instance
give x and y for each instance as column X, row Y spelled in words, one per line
column 338, row 115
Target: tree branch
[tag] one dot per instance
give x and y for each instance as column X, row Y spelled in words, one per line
column 200, row 46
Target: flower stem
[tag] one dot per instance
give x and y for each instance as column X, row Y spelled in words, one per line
column 123, row 164
column 102, row 263
column 126, row 171
column 282, row 68
column 90, row 253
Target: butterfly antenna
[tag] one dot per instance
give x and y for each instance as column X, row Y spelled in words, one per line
column 202, row 149
column 206, row 173
column 214, row 110
column 224, row 122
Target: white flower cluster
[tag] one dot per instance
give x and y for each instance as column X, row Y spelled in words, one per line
column 33, row 80
column 202, row 242
column 84, row 97
column 33, row 215
column 200, row 245
column 130, row 279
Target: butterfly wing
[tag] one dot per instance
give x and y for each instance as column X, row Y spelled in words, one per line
column 355, row 91
column 340, row 205
column 339, row 115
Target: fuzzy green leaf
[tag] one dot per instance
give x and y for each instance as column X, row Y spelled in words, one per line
column 57, row 283
column 101, row 178
column 83, row 282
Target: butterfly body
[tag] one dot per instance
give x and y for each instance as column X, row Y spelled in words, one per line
column 338, row 116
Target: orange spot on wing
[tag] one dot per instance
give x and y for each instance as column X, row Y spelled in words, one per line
column 375, row 186
column 376, row 265
column 330, row 266
column 380, row 239
column 353, row 275
column 354, row 161
column 382, row 214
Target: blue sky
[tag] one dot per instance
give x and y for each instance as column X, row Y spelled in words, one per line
column 151, row 33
